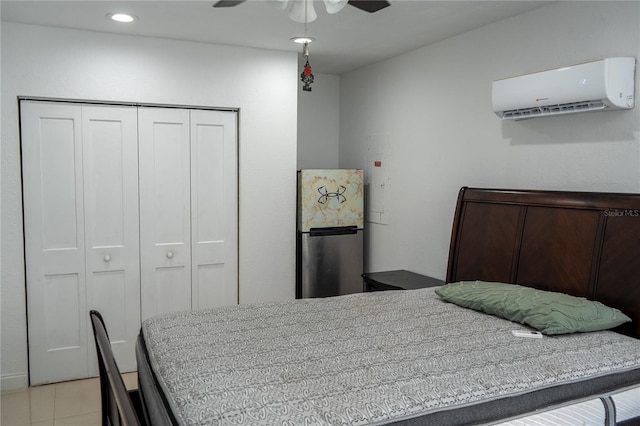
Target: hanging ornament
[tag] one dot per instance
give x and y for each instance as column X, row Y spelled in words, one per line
column 306, row 76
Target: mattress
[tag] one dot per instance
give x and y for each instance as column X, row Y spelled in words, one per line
column 403, row 357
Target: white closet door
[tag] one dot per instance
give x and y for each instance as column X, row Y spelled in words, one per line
column 214, row 208
column 165, row 237
column 81, row 235
column 54, row 241
column 132, row 212
column 110, row 161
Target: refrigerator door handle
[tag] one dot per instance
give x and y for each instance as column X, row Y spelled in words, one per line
column 333, row 230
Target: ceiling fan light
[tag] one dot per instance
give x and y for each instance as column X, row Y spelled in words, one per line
column 303, row 11
column 335, row 6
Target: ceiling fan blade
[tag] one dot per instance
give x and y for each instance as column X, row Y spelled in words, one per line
column 370, row 6
column 228, row 3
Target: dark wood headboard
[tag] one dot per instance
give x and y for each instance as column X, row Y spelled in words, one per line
column 581, row 243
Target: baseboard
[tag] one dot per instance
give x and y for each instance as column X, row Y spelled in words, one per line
column 11, row 382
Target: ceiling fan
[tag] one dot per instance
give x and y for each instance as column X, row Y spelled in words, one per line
column 303, row 11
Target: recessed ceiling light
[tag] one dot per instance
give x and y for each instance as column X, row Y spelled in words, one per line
column 302, row 40
column 121, row 17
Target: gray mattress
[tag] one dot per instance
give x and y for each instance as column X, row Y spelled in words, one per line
column 403, row 357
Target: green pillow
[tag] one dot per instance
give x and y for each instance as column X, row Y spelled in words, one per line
column 546, row 311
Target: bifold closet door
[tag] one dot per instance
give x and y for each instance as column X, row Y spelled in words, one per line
column 188, row 209
column 112, row 241
column 81, row 234
column 165, row 213
column 214, row 208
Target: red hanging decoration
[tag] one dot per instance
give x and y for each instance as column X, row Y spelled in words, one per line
column 306, row 76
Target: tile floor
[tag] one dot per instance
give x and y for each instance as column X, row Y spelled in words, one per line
column 74, row 403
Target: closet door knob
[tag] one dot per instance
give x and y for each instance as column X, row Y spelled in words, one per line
column 169, row 254
column 107, row 258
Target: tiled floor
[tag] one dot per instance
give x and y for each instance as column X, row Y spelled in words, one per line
column 74, row 403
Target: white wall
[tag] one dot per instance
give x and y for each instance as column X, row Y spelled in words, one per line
column 59, row 63
column 318, row 123
column 433, row 106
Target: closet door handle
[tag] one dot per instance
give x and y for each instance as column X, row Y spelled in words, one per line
column 107, row 258
column 169, row 254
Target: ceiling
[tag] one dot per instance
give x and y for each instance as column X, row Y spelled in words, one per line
column 344, row 42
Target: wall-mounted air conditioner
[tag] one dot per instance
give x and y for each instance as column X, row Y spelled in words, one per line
column 605, row 84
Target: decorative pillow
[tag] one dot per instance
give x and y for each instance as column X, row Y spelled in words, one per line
column 546, row 311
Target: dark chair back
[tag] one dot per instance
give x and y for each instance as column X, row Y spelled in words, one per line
column 117, row 407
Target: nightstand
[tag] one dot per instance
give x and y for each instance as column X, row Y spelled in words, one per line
column 397, row 280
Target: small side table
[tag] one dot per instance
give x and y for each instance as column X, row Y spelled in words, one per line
column 397, row 280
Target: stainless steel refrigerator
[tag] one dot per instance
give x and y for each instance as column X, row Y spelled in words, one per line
column 329, row 244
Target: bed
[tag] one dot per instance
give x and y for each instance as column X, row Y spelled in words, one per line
column 415, row 357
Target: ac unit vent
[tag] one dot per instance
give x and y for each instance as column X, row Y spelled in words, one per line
column 601, row 85
column 521, row 114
